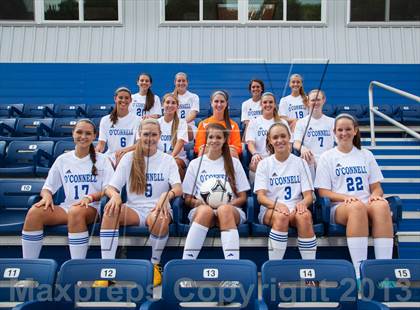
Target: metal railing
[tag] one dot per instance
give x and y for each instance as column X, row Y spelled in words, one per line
column 373, row 111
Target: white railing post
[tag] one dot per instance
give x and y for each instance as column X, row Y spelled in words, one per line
column 373, row 112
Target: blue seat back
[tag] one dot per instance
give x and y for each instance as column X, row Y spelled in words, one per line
column 62, row 147
column 393, row 280
column 69, row 110
column 133, row 277
column 11, row 110
column 99, row 110
column 7, row 126
column 410, row 110
column 4, row 110
column 29, row 126
column 37, row 110
column 27, row 279
column 2, row 149
column 329, row 110
column 355, row 110
column 296, row 281
column 210, row 276
column 14, row 193
column 23, row 152
column 63, row 127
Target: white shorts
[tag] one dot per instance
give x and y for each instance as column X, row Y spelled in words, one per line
column 67, row 207
column 263, row 210
column 143, row 213
column 242, row 215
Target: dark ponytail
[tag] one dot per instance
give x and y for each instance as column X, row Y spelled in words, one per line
column 113, row 116
column 92, row 154
column 150, row 96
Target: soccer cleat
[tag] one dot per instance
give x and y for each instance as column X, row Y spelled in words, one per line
column 157, row 275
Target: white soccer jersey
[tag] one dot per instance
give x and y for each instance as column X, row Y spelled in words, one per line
column 188, row 102
column 257, row 132
column 250, row 110
column 138, row 103
column 120, row 135
column 161, row 174
column 319, row 136
column 74, row 174
column 284, row 181
column 348, row 173
column 292, row 107
column 212, row 169
column 165, row 138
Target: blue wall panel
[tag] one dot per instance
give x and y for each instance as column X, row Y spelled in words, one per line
column 95, row 83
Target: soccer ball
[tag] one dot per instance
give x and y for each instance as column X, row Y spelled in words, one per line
column 216, row 192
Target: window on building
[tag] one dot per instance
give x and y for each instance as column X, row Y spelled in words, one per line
column 235, row 10
column 17, row 10
column 81, row 10
column 384, row 10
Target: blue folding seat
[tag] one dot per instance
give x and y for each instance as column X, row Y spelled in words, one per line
column 184, row 223
column 14, row 196
column 26, row 279
column 204, row 113
column 384, row 108
column 329, row 110
column 69, row 110
column 311, row 284
column 23, row 156
column 60, row 147
column 392, row 282
column 61, row 129
column 100, row 284
column 27, row 129
column 35, row 110
column 7, row 128
column 99, row 109
column 356, row 110
column 410, row 114
column 11, row 110
column 189, row 149
column 208, row 284
column 261, row 230
column 339, row 230
column 2, row 150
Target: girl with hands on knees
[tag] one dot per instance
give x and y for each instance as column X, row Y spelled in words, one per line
column 257, row 131
column 152, row 180
column 118, row 130
column 294, row 106
column 83, row 174
column 218, row 164
column 314, row 138
column 350, row 177
column 284, row 190
column 189, row 103
column 145, row 103
column 220, row 105
column 174, row 133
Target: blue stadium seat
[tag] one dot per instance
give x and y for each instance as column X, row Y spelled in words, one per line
column 11, row 110
column 410, row 114
column 128, row 284
column 70, row 110
column 60, row 147
column 246, row 159
column 25, row 279
column 206, row 283
column 25, row 128
column 384, row 108
column 34, row 110
column 61, row 129
column 98, row 109
column 2, row 150
column 14, row 195
column 7, row 128
column 393, row 282
column 260, row 230
column 356, row 110
column 189, row 149
column 204, row 113
column 184, row 223
column 329, row 110
column 311, row 284
column 23, row 156
column 340, row 230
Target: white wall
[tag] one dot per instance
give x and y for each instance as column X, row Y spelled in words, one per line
column 143, row 39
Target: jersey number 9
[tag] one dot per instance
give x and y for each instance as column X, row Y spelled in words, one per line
column 149, row 190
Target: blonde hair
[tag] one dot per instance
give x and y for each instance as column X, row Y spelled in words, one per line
column 301, row 89
column 175, row 92
column 138, row 167
column 269, row 147
column 175, row 122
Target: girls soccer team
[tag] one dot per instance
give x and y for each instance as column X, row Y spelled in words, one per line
column 149, row 160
